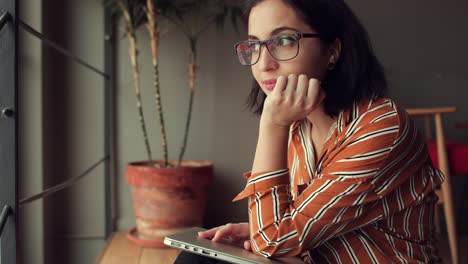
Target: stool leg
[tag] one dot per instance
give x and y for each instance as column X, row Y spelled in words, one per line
column 446, row 189
column 450, row 219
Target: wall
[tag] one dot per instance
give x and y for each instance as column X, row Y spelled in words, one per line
column 30, row 169
column 61, row 132
column 423, row 47
column 73, row 131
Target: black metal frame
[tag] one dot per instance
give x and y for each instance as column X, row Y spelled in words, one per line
column 267, row 43
column 8, row 128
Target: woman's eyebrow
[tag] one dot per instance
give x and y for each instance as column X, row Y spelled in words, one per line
column 275, row 31
column 281, row 29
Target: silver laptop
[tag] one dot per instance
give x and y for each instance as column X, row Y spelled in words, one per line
column 188, row 240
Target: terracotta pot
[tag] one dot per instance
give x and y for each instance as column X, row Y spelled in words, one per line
column 167, row 200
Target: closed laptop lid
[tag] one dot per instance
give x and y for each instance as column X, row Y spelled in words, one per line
column 188, row 240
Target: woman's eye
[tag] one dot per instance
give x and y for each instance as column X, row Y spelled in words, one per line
column 254, row 46
column 285, row 41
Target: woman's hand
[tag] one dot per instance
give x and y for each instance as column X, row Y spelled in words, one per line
column 292, row 99
column 233, row 233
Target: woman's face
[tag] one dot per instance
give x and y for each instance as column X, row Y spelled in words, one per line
column 271, row 18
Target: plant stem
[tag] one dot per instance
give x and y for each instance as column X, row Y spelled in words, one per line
column 143, row 127
column 192, row 69
column 136, row 78
column 187, row 126
column 153, row 31
column 157, row 97
column 133, row 52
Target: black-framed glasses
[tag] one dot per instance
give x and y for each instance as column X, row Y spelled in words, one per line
column 281, row 47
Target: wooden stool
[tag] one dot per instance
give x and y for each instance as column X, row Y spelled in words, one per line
column 445, row 194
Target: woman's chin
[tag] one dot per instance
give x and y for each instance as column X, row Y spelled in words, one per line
column 266, row 91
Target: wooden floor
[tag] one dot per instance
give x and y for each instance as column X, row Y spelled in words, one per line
column 121, row 251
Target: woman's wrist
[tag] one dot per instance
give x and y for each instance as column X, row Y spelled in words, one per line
column 269, row 125
column 272, row 147
column 273, row 132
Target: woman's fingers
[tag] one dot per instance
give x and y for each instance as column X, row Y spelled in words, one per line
column 247, row 245
column 280, row 85
column 209, row 234
column 223, row 232
column 315, row 93
column 302, row 87
column 293, row 98
column 291, row 86
column 234, row 232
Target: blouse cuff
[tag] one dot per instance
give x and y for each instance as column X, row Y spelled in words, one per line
column 262, row 181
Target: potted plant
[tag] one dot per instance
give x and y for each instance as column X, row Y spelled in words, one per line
column 168, row 195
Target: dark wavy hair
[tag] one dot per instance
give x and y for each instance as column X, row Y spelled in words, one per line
column 357, row 75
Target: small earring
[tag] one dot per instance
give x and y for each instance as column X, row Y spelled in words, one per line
column 332, row 63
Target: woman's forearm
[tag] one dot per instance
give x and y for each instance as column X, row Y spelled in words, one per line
column 272, row 147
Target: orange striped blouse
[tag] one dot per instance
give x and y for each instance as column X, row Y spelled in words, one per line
column 367, row 198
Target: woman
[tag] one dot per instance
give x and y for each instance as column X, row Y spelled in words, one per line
column 340, row 173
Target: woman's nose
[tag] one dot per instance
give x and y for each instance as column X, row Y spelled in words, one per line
column 266, row 62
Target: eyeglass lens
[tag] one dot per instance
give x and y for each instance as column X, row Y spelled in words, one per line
column 283, row 47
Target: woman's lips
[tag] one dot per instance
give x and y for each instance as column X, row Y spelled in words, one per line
column 269, row 84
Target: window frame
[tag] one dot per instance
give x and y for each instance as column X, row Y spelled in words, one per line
column 8, row 130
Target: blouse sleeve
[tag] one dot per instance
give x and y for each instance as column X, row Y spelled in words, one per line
column 363, row 169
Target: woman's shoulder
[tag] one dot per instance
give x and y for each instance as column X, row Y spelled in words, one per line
column 379, row 105
column 375, row 113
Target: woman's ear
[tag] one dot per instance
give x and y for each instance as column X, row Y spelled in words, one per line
column 335, row 51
